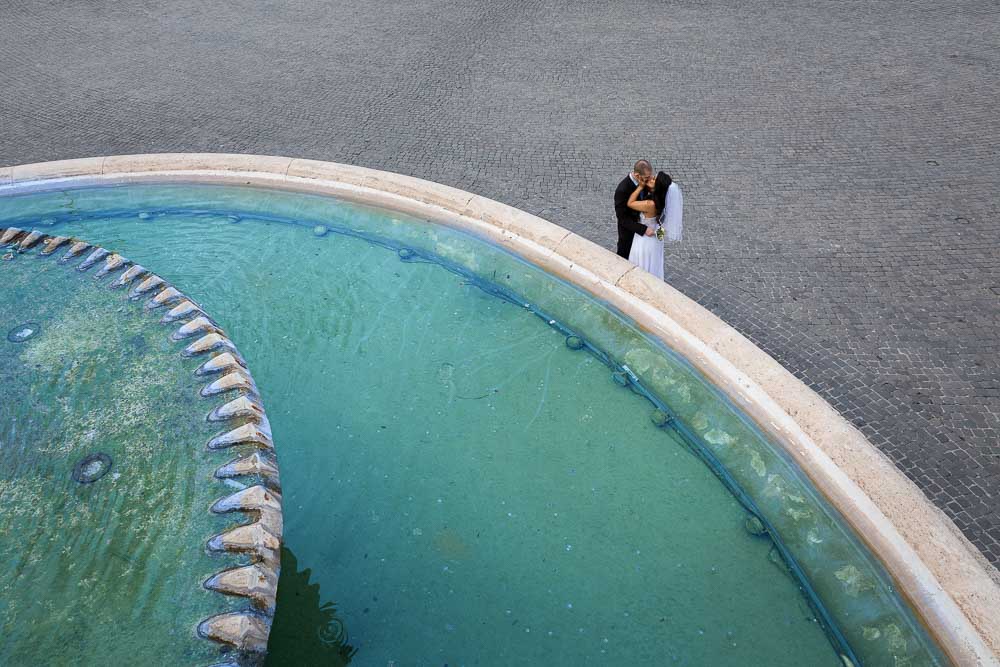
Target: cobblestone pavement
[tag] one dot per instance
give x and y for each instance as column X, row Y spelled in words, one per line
column 839, row 160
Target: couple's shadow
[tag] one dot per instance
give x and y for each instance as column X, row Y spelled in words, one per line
column 306, row 631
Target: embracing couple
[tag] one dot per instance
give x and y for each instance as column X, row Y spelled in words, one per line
column 649, row 212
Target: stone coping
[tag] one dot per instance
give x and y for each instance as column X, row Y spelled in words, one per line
column 950, row 584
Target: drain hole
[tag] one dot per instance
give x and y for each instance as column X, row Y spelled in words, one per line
column 91, row 468
column 23, row 332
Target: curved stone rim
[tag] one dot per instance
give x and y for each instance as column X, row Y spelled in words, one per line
column 949, row 583
column 242, row 418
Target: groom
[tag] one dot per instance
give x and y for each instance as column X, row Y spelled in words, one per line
column 628, row 220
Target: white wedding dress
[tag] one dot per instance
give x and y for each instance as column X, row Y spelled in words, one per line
column 647, row 251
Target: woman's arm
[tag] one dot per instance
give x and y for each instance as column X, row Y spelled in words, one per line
column 647, row 206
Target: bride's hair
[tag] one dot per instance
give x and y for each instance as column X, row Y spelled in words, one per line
column 663, row 182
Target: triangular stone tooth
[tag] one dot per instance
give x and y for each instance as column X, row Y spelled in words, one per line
column 244, row 407
column 272, row 521
column 52, row 243
column 242, row 435
column 200, row 324
column 30, row 240
column 222, row 362
column 265, row 502
column 257, row 463
column 251, row 538
column 257, row 582
column 130, row 274
column 265, row 426
column 255, row 498
column 180, row 311
column 163, row 296
column 148, row 284
column 74, row 251
column 207, row 343
column 93, row 258
column 238, row 379
column 243, row 630
column 9, row 235
column 112, row 263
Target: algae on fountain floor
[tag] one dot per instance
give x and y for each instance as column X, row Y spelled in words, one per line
column 111, row 571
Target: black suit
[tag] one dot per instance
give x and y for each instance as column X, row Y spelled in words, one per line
column 628, row 220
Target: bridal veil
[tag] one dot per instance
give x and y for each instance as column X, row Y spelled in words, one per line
column 674, row 214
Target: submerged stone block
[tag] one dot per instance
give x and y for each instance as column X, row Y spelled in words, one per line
column 112, row 263
column 75, row 250
column 30, row 240
column 265, row 426
column 258, row 498
column 251, row 538
column 9, row 235
column 227, row 361
column 246, row 434
column 208, row 342
column 238, row 379
column 255, row 498
column 272, row 522
column 52, row 243
column 257, row 463
column 147, row 285
column 244, row 631
column 200, row 324
column 164, row 297
column 180, row 311
column 93, row 258
column 244, row 407
column 257, row 582
column 130, row 274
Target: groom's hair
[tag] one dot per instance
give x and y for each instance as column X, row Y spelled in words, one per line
column 643, row 167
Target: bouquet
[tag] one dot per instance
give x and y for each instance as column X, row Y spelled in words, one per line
column 659, row 232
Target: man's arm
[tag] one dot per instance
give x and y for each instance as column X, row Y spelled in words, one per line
column 624, row 214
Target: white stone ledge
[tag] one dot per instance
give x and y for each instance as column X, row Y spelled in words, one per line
column 57, row 170
column 128, row 164
column 949, row 583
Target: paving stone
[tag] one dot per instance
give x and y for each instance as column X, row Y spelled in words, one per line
column 840, row 161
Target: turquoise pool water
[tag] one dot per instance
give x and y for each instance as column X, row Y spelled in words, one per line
column 463, row 487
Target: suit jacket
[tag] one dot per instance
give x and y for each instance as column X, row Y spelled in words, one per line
column 628, row 220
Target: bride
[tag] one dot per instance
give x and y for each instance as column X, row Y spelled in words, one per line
column 662, row 216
